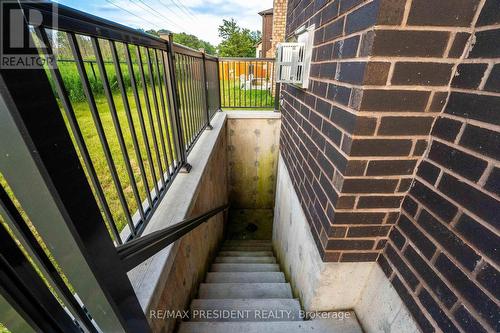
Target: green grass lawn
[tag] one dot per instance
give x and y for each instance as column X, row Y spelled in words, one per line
column 96, row 152
column 233, row 97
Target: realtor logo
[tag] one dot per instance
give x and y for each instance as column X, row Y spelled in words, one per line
column 20, row 48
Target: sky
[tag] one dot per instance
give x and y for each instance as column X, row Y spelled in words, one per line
column 197, row 17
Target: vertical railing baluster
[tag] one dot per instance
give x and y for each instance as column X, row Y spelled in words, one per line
column 99, row 127
column 186, row 101
column 157, row 110
column 222, row 76
column 150, row 114
column 201, row 94
column 118, row 130
column 228, row 84
column 175, row 103
column 130, row 120
column 144, row 132
column 192, row 98
column 205, row 84
column 260, row 88
column 164, row 112
column 246, row 77
column 239, row 84
column 169, row 112
column 181, row 97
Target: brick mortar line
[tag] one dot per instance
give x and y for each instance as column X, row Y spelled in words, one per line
column 343, row 131
column 430, row 28
column 416, row 87
column 468, row 121
column 343, row 37
column 374, row 114
column 338, row 16
column 454, row 231
column 379, row 177
column 451, row 41
column 486, row 174
column 396, row 59
column 477, row 14
column 443, row 109
column 468, row 151
column 485, row 77
column 423, row 284
column 406, row 13
column 411, row 293
column 366, row 112
column 319, row 166
column 463, row 208
column 441, row 250
column 488, row 27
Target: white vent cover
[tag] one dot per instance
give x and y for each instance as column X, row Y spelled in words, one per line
column 290, row 62
column 293, row 60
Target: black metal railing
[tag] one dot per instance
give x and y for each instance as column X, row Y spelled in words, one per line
column 125, row 83
column 90, row 145
column 247, row 83
column 192, row 92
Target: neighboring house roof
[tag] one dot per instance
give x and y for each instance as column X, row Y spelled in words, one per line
column 266, row 12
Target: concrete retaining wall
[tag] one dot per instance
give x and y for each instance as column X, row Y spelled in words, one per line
column 170, row 279
column 325, row 286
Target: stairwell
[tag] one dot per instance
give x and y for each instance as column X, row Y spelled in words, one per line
column 246, row 291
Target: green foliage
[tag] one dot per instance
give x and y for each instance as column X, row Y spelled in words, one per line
column 194, row 42
column 237, row 41
column 187, row 40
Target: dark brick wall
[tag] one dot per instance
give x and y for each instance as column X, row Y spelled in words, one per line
column 443, row 254
column 394, row 150
column 352, row 140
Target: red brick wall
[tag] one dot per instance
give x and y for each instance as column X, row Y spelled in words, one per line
column 404, row 92
column 267, row 33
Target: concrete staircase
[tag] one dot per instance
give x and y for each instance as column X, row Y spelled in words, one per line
column 245, row 291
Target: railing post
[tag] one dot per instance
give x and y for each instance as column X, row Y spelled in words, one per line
column 218, row 86
column 277, row 97
column 174, row 102
column 205, row 83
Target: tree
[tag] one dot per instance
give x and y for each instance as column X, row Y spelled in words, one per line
column 237, row 41
column 194, row 42
column 186, row 40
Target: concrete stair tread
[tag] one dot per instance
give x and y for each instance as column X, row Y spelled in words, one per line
column 245, row 268
column 248, row 309
column 311, row 326
column 256, row 260
column 245, row 254
column 246, row 248
column 245, row 277
column 248, row 241
column 244, row 290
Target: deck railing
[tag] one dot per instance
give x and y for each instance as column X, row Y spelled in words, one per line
column 90, row 145
column 247, row 83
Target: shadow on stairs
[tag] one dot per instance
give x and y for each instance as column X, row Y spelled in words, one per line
column 245, row 291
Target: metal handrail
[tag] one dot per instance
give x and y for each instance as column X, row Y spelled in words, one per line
column 75, row 21
column 138, row 250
